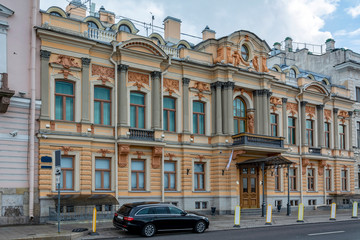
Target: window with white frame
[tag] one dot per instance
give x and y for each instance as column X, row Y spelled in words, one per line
column 102, row 174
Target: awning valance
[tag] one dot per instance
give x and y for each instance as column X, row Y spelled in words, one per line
column 269, row 162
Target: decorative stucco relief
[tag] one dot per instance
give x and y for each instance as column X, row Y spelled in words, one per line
column 171, row 85
column 201, row 86
column 220, row 55
column 292, row 107
column 310, row 111
column 242, row 91
column 327, row 113
column 67, row 61
column 275, row 100
column 263, row 62
column 139, row 79
column 104, row 73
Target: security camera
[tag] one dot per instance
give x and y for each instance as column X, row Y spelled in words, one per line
column 44, row 136
column 13, row 133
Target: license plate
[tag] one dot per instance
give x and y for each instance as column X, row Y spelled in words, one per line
column 119, row 217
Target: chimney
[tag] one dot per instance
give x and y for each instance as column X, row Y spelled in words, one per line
column 288, row 44
column 76, row 9
column 330, row 44
column 208, row 33
column 106, row 16
column 277, row 46
column 172, row 29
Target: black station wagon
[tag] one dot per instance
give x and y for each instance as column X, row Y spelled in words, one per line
column 147, row 218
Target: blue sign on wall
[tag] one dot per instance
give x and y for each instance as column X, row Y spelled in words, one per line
column 46, row 167
column 46, row 159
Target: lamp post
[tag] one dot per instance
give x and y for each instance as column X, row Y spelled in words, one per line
column 263, row 190
column 288, row 212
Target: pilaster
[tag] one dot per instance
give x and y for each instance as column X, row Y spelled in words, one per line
column 320, row 125
column 336, row 128
column 303, row 122
column 284, row 120
column 44, row 81
column 123, row 100
column 230, row 106
column 350, row 145
column 185, row 98
column 156, row 101
column 85, row 82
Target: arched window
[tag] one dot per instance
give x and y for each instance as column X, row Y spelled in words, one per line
column 137, row 110
column 124, row 28
column 292, row 73
column 91, row 24
column 55, row 14
column 244, row 52
column 102, row 105
column 239, row 115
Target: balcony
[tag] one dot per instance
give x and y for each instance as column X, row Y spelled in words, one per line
column 255, row 140
column 141, row 134
column 315, row 151
column 5, row 93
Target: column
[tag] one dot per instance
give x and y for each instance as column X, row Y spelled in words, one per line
column 219, row 118
column 336, row 128
column 266, row 98
column 284, row 120
column 213, row 108
column 224, row 100
column 303, row 122
column 186, row 82
column 156, row 99
column 320, row 126
column 123, row 101
column 44, row 76
column 85, row 83
column 350, row 137
column 230, row 106
column 257, row 115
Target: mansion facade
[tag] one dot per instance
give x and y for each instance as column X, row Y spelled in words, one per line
column 160, row 119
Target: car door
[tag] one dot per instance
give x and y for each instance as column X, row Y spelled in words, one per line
column 144, row 215
column 179, row 220
column 162, row 218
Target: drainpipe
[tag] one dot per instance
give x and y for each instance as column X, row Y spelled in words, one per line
column 32, row 112
column 114, row 43
column 324, row 171
column 300, row 142
column 161, row 122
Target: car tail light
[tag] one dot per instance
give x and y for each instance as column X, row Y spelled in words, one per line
column 128, row 218
column 115, row 214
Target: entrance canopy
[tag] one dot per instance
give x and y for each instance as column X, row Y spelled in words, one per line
column 269, row 162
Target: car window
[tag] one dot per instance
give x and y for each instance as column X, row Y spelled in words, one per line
column 174, row 210
column 124, row 210
column 162, row 210
column 146, row 211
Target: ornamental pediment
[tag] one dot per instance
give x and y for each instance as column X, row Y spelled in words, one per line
column 143, row 45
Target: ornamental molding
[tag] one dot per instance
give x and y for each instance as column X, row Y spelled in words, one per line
column 171, row 85
column 310, row 111
column 123, row 153
column 170, row 156
column 242, row 91
column 139, row 79
column 327, row 114
column 66, row 150
column 104, row 151
column 156, row 157
column 292, row 107
column 201, row 87
column 275, row 100
column 67, row 61
column 104, row 73
column 343, row 114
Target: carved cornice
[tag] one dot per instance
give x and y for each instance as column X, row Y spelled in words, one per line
column 122, row 68
column 85, row 62
column 185, row 81
column 44, row 55
column 155, row 75
column 261, row 92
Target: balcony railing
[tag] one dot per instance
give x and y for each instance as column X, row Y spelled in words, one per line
column 141, row 134
column 170, row 51
column 256, row 140
column 101, row 35
column 315, row 151
column 5, row 93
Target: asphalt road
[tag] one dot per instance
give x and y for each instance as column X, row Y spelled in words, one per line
column 344, row 230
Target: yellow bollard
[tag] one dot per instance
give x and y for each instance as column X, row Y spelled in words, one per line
column 355, row 210
column 237, row 216
column 94, row 223
column 301, row 213
column 333, row 211
column 268, row 214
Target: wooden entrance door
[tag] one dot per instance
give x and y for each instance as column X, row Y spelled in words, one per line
column 249, row 187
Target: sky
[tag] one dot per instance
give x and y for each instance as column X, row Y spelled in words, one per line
column 305, row 21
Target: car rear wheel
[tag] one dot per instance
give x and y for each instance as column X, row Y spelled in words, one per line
column 148, row 230
column 200, row 227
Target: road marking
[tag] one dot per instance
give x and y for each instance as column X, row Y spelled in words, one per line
column 324, row 233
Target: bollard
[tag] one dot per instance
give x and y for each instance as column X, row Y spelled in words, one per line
column 268, row 214
column 355, row 210
column 237, row 216
column 301, row 213
column 333, row 211
column 94, row 223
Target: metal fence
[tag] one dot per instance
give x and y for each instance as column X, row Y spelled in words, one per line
column 74, row 213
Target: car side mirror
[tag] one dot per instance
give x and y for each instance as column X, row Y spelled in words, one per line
column 184, row 213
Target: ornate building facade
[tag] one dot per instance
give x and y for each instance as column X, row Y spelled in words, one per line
column 160, row 119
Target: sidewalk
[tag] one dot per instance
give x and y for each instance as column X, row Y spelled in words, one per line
column 218, row 222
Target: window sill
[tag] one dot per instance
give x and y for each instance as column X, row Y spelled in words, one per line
column 139, row 191
column 105, row 191
column 66, row 191
column 312, row 191
column 200, row 191
column 172, row 191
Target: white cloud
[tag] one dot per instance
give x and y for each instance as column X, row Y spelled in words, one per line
column 354, row 11
column 343, row 32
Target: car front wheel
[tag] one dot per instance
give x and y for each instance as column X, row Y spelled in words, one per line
column 148, row 230
column 200, row 227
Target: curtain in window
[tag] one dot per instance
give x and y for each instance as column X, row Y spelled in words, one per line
column 137, row 98
column 64, row 88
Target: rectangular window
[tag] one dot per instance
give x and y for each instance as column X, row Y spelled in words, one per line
column 358, row 176
column 344, row 180
column 312, row 202
column 328, row 201
column 309, row 133
column 342, row 136
column 169, row 114
column 358, row 134
column 197, row 205
column 277, row 179
column 274, row 124
column 137, row 110
column 358, row 94
column 64, row 100
column 291, row 130
column 102, row 105
column 199, row 176
column 67, row 173
column 170, row 176
column 293, row 179
column 327, row 134
column 328, row 179
column 198, row 117
column 102, row 174
column 294, row 202
column 311, row 179
column 138, row 175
